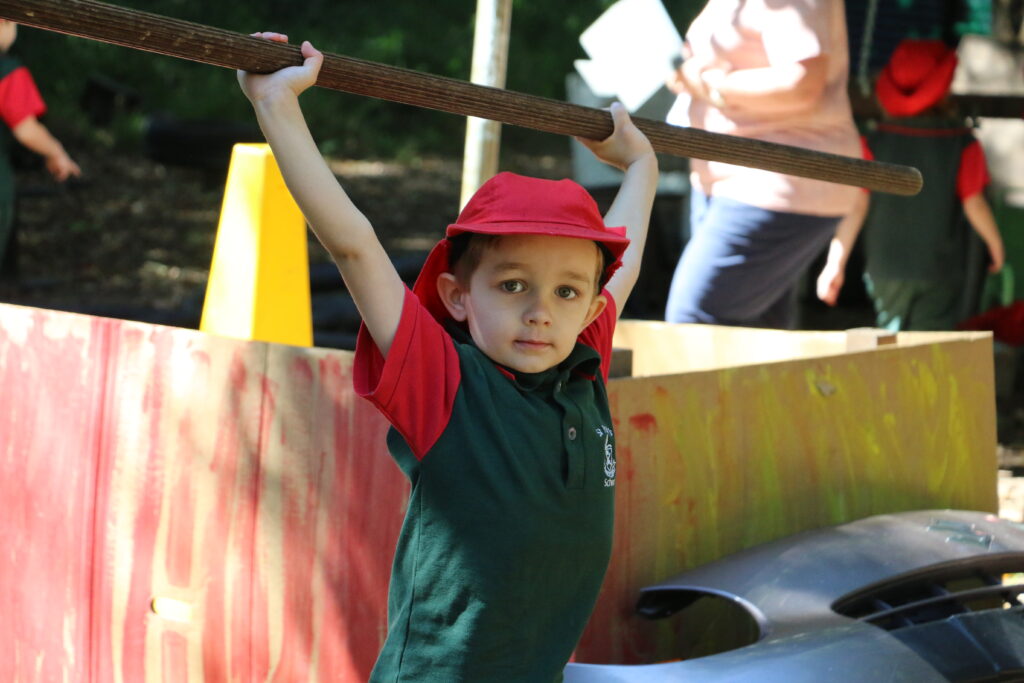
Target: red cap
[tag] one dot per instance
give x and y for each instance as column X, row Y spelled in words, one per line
column 510, row 204
column 917, row 76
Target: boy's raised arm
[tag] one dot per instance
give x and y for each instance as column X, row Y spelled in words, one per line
column 629, row 150
column 344, row 231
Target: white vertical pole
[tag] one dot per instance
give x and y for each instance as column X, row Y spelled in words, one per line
column 490, row 60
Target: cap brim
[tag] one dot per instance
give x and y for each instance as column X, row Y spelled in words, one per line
column 613, row 239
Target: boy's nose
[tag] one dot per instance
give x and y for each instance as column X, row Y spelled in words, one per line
column 538, row 312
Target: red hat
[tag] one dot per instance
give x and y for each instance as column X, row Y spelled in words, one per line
column 510, row 204
column 917, row 76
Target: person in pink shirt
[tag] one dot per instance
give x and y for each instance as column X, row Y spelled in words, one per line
column 773, row 70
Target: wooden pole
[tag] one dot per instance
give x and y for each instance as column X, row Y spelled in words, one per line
column 490, row 59
column 187, row 40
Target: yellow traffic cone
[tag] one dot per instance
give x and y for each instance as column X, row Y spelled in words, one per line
column 259, row 279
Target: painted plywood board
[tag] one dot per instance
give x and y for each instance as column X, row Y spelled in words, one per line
column 666, row 348
column 47, row 484
column 716, row 461
column 331, row 502
column 175, row 505
column 230, row 512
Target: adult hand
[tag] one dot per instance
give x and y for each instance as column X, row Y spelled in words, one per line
column 997, row 255
column 830, row 282
column 289, row 80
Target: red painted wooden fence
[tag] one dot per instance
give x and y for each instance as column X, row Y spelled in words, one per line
column 181, row 507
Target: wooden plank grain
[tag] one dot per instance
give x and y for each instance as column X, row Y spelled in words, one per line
column 52, row 370
column 219, row 47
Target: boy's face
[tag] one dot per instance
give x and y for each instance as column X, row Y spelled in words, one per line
column 528, row 299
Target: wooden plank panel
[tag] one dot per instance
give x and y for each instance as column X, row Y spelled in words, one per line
column 51, row 394
column 713, row 462
column 176, row 502
column 247, row 490
column 331, row 502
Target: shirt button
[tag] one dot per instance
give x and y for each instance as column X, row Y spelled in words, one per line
column 558, row 386
column 572, row 433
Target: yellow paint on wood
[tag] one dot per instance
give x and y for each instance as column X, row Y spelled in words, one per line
column 259, row 279
column 718, row 460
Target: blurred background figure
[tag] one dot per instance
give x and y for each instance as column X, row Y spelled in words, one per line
column 916, row 247
column 21, row 105
column 774, row 70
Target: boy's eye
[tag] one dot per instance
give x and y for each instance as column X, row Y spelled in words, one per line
column 566, row 292
column 513, row 286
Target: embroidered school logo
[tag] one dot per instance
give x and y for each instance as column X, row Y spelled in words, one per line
column 609, row 454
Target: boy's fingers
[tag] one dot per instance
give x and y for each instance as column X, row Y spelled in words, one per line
column 619, row 114
column 309, row 51
column 271, row 35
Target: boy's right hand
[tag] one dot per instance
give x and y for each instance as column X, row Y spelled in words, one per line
column 291, row 80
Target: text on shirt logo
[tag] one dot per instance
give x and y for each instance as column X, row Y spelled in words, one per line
column 609, row 454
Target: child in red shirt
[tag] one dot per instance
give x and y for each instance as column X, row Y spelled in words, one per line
column 20, row 106
column 492, row 373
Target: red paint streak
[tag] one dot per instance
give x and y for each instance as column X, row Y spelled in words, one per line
column 259, row 625
column 181, row 516
column 174, row 653
column 302, row 367
column 147, row 512
column 229, row 458
column 257, row 616
column 50, row 391
column 644, row 422
column 300, row 505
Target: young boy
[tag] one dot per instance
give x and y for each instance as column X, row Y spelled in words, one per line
column 915, row 246
column 492, row 372
column 20, row 106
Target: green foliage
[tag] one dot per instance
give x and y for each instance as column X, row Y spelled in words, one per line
column 435, row 37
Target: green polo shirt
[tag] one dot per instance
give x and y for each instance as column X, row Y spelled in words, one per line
column 509, row 526
column 923, row 238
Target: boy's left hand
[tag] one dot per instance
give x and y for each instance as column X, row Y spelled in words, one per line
column 625, row 145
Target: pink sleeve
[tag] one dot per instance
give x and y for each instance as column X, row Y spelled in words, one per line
column 598, row 334
column 794, row 31
column 19, row 97
column 415, row 385
column 972, row 177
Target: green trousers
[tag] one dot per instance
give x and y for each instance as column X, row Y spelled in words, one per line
column 915, row 304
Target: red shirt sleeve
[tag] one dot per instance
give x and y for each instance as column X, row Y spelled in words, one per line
column 973, row 174
column 19, row 97
column 598, row 334
column 415, row 385
column 867, row 155
column 865, row 151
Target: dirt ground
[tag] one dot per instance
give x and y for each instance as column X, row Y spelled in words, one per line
column 135, row 234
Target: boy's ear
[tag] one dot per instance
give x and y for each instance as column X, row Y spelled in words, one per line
column 596, row 308
column 452, row 296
